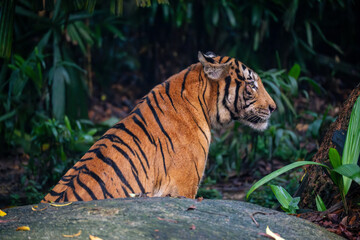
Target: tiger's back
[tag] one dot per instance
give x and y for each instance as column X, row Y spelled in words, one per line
column 161, row 148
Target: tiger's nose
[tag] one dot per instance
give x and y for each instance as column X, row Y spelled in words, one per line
column 272, row 108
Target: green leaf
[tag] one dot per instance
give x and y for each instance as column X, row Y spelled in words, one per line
column 351, row 171
column 230, row 16
column 295, row 71
column 7, row 115
column 7, row 12
column 281, row 195
column 58, row 93
column 320, row 205
column 352, row 143
column 334, row 157
column 280, row 171
column 308, row 33
column 67, row 123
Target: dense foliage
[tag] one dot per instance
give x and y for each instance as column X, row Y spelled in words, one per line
column 59, row 56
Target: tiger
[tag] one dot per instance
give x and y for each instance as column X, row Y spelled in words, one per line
column 161, row 148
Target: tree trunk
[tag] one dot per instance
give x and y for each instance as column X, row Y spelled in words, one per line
column 316, row 181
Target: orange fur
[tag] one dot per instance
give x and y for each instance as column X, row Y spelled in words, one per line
column 161, row 148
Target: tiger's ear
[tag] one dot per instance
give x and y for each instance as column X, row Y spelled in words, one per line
column 213, row 70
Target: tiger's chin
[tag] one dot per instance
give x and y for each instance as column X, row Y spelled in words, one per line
column 259, row 126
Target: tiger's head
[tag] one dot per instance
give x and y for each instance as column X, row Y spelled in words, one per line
column 240, row 94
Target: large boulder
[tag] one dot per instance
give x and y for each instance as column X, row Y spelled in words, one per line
column 155, row 218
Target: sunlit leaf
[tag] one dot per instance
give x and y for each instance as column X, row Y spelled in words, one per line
column 91, row 237
column 2, row 213
column 60, row 205
column 23, row 228
column 72, row 235
column 272, row 234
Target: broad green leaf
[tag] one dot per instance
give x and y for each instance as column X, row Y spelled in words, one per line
column 320, row 205
column 295, row 71
column 280, row 171
column 352, row 143
column 281, row 195
column 67, row 123
column 351, row 171
column 334, row 157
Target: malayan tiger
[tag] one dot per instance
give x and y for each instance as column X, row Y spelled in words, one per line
column 161, row 148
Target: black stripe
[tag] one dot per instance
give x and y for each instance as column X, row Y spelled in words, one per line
column 240, row 77
column 122, row 126
column 228, row 60
column 207, row 140
column 161, row 96
column 71, row 185
column 77, row 195
column 221, row 59
column 138, row 181
column 125, row 191
column 183, row 83
column 85, row 159
column 100, row 182
column 204, row 91
column 197, row 171
column 112, row 164
column 248, row 105
column 238, row 84
column 203, row 111
column 249, row 77
column 162, row 153
column 101, row 145
column 142, row 153
column 243, row 66
column 53, row 193
column 159, row 123
column 88, row 190
column 217, row 103
column 227, row 86
column 65, row 197
column 138, row 112
column 126, row 156
column 116, row 139
column 167, row 90
column 190, row 103
column 156, row 102
column 137, row 121
column 205, row 154
column 142, row 165
column 209, row 59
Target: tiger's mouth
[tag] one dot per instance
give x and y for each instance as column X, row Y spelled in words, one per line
column 256, row 119
column 256, row 122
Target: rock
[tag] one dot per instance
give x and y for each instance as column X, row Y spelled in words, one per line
column 155, row 218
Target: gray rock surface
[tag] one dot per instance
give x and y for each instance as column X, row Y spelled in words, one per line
column 156, row 218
